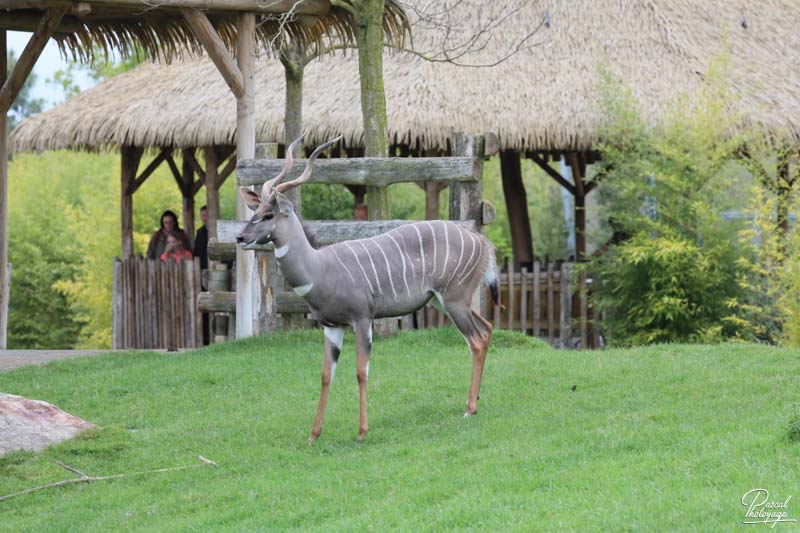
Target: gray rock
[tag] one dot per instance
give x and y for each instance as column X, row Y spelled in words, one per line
column 33, row 425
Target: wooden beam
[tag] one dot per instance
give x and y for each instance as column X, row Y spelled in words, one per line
column 154, row 164
column 299, row 7
column 197, row 185
column 229, row 167
column 192, row 160
column 5, row 282
column 28, row 57
column 552, row 172
column 328, row 231
column 375, row 171
column 217, row 51
column 174, row 168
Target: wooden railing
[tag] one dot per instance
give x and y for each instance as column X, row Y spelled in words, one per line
column 155, row 304
column 551, row 302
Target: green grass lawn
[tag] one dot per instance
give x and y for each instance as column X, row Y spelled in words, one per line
column 662, row 438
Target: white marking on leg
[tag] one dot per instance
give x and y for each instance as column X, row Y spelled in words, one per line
column 333, row 371
column 375, row 270
column 336, row 255
column 405, row 281
column 388, row 268
column 367, row 369
column 335, row 336
column 360, row 265
column 302, row 290
column 369, row 335
column 280, row 251
column 421, row 254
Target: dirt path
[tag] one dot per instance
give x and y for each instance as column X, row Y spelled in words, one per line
column 10, row 359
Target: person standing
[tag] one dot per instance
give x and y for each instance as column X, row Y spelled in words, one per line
column 201, row 239
column 169, row 226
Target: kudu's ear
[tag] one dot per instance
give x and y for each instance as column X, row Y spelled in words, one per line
column 251, row 198
column 284, row 205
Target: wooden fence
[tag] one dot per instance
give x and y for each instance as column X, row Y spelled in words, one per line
column 155, row 304
column 550, row 302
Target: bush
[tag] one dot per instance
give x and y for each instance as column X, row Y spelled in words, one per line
column 665, row 187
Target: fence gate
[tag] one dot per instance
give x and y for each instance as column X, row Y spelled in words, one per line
column 155, row 304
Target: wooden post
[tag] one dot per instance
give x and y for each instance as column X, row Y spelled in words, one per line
column 564, row 328
column 5, row 285
column 293, row 65
column 537, row 299
column 131, row 155
column 511, row 296
column 517, row 204
column 550, row 304
column 578, row 168
column 466, row 196
column 245, row 149
column 523, row 317
column 9, row 89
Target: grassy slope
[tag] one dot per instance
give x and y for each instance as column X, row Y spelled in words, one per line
column 667, row 437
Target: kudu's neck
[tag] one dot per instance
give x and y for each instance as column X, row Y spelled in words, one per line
column 295, row 255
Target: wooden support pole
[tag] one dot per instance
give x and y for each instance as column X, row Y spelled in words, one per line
column 517, row 204
column 298, row 7
column 293, row 67
column 245, row 149
column 5, row 285
column 13, row 84
column 130, row 155
column 206, row 34
column 212, row 190
column 578, row 167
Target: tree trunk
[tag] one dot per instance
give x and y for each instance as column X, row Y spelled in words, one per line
column 578, row 167
column 517, row 205
column 293, row 112
column 369, row 37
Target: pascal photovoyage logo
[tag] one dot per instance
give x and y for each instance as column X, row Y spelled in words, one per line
column 761, row 510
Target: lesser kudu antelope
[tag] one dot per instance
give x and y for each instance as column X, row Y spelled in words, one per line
column 352, row 283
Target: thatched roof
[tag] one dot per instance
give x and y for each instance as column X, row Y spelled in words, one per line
column 157, row 29
column 542, row 98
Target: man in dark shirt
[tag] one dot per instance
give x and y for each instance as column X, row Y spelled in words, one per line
column 201, row 240
column 201, row 251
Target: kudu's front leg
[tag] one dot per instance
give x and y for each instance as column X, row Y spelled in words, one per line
column 363, row 331
column 333, row 346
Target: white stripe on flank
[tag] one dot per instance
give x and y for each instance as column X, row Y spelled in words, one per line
column 410, row 261
column 446, row 248
column 281, row 250
column 343, row 266
column 433, row 238
column 388, row 268
column 421, row 254
column 375, row 270
column 474, row 266
column 360, row 265
column 460, row 257
column 405, row 281
column 471, row 255
column 302, row 290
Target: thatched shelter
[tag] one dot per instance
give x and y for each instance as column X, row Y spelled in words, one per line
column 163, row 30
column 542, row 100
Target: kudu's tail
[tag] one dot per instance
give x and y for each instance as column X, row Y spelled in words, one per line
column 490, row 278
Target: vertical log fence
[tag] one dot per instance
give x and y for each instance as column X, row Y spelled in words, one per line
column 154, row 304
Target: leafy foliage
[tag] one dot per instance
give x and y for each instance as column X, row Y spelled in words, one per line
column 675, row 278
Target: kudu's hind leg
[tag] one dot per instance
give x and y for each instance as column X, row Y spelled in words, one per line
column 333, row 346
column 478, row 332
column 363, row 331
